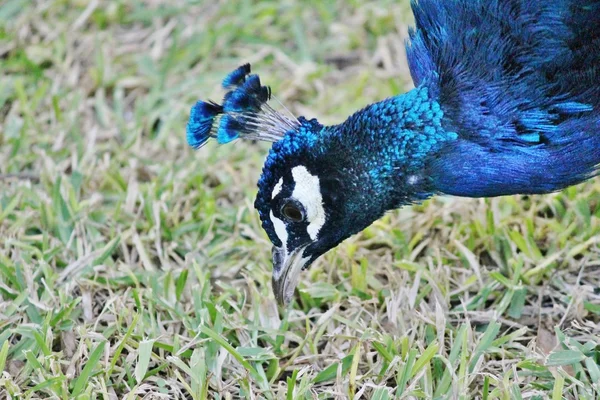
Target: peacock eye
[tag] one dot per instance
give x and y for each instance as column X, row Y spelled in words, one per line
column 293, row 211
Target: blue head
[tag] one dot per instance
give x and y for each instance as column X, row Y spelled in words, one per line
column 303, row 203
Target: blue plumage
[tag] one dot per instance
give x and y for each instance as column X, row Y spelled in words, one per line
column 236, row 77
column 202, row 118
column 249, row 97
column 229, row 129
column 520, row 81
column 244, row 113
column 506, row 101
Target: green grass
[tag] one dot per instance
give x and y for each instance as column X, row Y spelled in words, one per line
column 132, row 267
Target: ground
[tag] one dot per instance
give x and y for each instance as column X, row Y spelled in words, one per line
column 134, row 267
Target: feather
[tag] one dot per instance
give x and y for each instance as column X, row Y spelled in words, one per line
column 236, row 77
column 519, row 81
column 202, row 116
column 229, row 129
column 245, row 113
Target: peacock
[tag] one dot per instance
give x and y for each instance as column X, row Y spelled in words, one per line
column 506, row 100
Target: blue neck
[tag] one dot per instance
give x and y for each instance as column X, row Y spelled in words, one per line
column 404, row 150
column 387, row 145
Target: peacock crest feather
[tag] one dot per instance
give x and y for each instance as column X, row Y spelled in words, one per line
column 245, row 113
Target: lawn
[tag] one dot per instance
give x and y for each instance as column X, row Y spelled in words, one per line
column 132, row 267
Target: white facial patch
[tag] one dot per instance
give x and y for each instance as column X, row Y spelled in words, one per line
column 277, row 188
column 307, row 191
column 280, row 230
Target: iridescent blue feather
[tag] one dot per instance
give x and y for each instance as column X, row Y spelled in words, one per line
column 236, row 77
column 202, row 116
column 245, row 113
column 519, row 80
column 229, row 129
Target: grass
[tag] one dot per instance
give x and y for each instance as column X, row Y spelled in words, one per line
column 133, row 267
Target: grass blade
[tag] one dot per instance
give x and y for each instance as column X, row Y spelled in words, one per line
column 86, row 373
column 144, row 353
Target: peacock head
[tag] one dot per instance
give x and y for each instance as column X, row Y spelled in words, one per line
column 306, row 202
column 312, row 193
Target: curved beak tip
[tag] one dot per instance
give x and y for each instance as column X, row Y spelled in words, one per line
column 286, row 273
column 281, row 296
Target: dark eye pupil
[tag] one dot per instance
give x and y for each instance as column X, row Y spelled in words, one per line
column 292, row 212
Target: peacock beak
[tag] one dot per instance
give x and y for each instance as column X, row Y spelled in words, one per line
column 286, row 272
